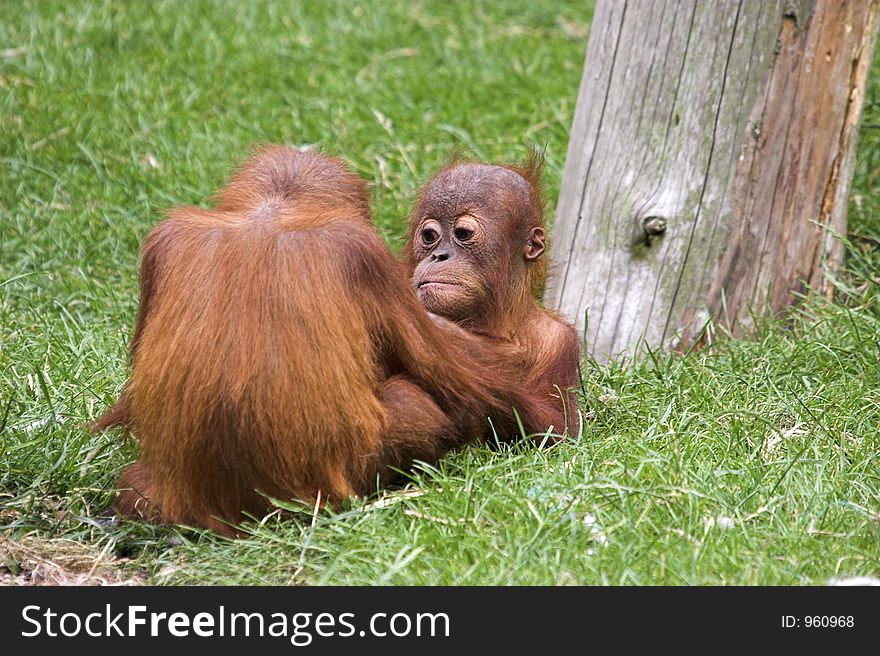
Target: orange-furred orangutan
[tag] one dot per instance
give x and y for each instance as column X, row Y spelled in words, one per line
column 279, row 350
column 477, row 241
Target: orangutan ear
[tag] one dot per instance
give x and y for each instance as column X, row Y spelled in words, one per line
column 535, row 245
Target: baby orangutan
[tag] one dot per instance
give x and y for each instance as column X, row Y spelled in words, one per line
column 476, row 258
column 280, row 351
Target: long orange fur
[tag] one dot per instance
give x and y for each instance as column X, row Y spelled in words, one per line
column 279, row 350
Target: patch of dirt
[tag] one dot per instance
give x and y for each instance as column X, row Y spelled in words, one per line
column 33, row 560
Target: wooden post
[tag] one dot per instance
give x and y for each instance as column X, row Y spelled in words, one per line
column 709, row 164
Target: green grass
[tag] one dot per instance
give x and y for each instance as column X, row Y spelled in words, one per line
column 755, row 461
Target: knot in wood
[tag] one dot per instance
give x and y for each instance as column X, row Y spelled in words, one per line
column 654, row 225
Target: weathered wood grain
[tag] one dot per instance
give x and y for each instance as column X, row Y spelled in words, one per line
column 709, row 164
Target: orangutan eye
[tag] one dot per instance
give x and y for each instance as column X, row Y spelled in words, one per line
column 429, row 236
column 463, row 233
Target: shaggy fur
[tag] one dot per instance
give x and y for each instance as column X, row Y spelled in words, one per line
column 279, row 350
